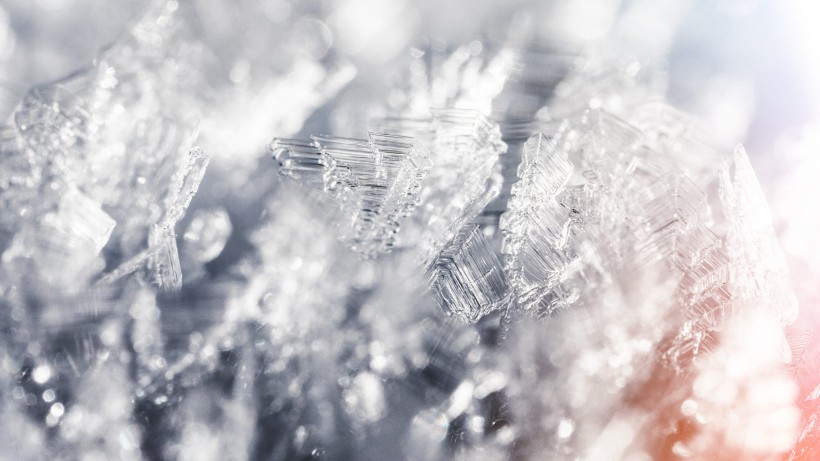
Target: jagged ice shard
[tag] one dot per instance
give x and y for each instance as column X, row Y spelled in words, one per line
column 375, row 182
column 508, row 245
column 536, row 227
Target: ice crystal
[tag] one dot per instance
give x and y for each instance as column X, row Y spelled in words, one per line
column 464, row 150
column 467, row 277
column 536, row 228
column 758, row 273
column 376, row 182
column 530, row 255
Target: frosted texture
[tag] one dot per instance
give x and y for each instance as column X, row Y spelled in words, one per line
column 500, row 249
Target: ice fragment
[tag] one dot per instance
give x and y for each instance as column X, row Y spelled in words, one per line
column 375, row 181
column 467, row 277
column 536, row 228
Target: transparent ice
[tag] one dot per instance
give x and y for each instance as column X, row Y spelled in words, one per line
column 507, row 246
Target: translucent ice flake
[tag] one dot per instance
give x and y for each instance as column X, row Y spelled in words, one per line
column 72, row 235
column 352, row 165
column 611, row 162
column 82, row 217
column 300, row 160
column 673, row 232
column 165, row 262
column 184, row 186
column 600, row 141
column 672, row 134
column 633, row 200
column 464, row 178
column 406, row 162
column 139, row 260
column 543, row 172
column 119, row 132
column 162, row 254
column 458, row 132
column 376, row 182
column 758, row 273
column 536, row 228
column 467, row 277
column 700, row 255
column 151, row 159
column 671, row 208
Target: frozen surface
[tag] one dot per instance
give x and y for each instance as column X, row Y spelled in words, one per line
column 508, row 244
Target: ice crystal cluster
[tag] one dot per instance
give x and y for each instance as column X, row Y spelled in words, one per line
column 513, row 249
